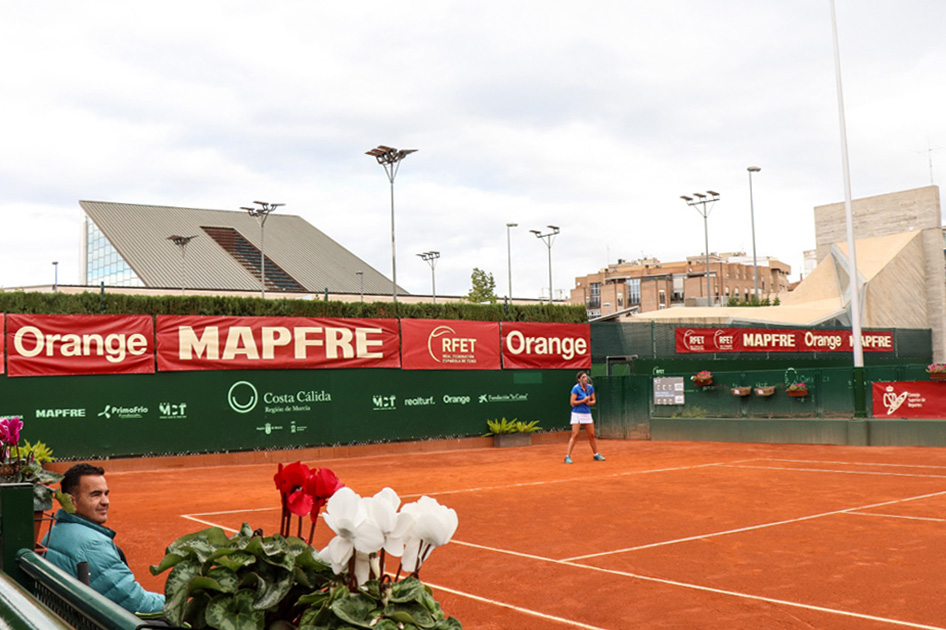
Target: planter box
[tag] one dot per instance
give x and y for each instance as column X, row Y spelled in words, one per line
column 741, row 391
column 505, row 440
column 704, row 383
column 798, row 393
column 765, row 391
column 937, row 376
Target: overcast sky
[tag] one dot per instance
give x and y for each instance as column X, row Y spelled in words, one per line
column 594, row 117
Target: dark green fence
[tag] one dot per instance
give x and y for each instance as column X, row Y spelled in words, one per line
column 218, row 411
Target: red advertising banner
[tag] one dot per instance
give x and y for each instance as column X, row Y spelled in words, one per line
column 255, row 343
column 532, row 346
column 924, row 400
column 58, row 345
column 777, row 340
column 435, row 344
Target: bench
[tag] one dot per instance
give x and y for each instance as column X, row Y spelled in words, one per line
column 80, row 606
column 19, row 610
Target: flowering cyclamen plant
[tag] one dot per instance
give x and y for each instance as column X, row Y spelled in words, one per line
column 21, row 466
column 936, row 368
column 303, row 491
column 797, row 387
column 251, row 582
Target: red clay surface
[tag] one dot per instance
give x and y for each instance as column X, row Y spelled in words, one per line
column 661, row 535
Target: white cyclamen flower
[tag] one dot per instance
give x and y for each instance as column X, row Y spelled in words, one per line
column 433, row 525
column 382, row 509
column 347, row 515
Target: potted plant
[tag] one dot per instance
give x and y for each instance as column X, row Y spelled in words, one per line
column 741, row 391
column 24, row 464
column 798, row 390
column 937, row 371
column 507, row 433
column 702, row 378
column 254, row 582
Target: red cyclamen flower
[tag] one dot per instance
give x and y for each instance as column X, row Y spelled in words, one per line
column 321, row 486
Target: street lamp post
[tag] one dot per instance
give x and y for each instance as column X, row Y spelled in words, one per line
column 702, row 200
column 548, row 238
column 55, row 276
column 181, row 241
column 755, row 265
column 509, row 257
column 390, row 159
column 431, row 259
column 260, row 214
column 361, row 280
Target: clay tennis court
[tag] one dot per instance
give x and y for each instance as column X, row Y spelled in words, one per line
column 662, row 535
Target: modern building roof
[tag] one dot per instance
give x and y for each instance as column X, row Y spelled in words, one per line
column 225, row 253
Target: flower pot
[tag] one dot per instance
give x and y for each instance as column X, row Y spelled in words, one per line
column 704, row 383
column 937, row 376
column 505, row 440
column 741, row 391
column 798, row 393
column 767, row 390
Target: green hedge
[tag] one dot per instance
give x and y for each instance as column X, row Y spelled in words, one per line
column 120, row 304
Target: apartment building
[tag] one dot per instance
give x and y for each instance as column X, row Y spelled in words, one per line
column 649, row 284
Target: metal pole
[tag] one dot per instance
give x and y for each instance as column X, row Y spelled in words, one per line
column 755, row 266
column 393, row 256
column 709, row 298
column 55, row 276
column 551, row 295
column 509, row 257
column 848, row 211
column 262, row 259
column 361, row 278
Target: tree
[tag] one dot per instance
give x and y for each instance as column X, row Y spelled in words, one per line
column 484, row 287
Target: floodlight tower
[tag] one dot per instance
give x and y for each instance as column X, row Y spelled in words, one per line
column 181, row 242
column 390, row 159
column 431, row 259
column 260, row 214
column 548, row 238
column 706, row 201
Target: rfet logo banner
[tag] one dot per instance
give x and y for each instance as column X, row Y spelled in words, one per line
column 255, row 343
column 909, row 399
column 777, row 340
column 531, row 346
column 436, row 344
column 56, row 345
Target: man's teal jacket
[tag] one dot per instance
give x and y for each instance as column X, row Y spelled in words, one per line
column 74, row 539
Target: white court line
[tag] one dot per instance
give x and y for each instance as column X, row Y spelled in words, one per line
column 699, row 587
column 815, row 461
column 754, row 527
column 208, row 523
column 910, row 518
column 526, row 611
column 838, row 472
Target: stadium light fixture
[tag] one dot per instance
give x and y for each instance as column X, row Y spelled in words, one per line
column 260, row 214
column 704, row 205
column 390, row 159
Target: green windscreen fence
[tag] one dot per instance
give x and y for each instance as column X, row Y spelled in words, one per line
column 626, row 403
column 218, row 411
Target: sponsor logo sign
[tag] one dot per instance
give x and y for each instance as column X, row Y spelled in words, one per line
column 240, row 343
column 383, row 402
column 533, row 346
column 120, row 412
column 433, row 344
column 58, row 345
column 909, row 399
column 502, row 398
column 244, row 397
column 691, row 340
column 57, row 413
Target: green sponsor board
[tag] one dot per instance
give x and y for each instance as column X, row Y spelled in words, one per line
column 195, row 412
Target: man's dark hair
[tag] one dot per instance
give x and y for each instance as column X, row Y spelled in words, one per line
column 70, row 481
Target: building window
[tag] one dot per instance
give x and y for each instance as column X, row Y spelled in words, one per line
column 620, row 300
column 662, row 300
column 104, row 263
column 634, row 291
column 595, row 301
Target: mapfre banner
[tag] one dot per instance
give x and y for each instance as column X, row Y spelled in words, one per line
column 531, row 346
column 434, row 344
column 58, row 345
column 924, row 400
column 286, row 343
column 777, row 340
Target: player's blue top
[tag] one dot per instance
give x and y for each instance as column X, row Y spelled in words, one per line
column 581, row 394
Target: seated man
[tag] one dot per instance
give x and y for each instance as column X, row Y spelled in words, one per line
column 83, row 537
